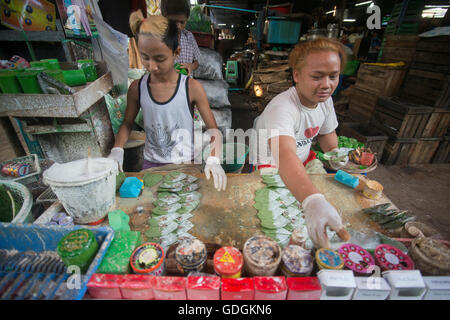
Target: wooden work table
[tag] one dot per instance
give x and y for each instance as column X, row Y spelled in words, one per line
column 229, row 218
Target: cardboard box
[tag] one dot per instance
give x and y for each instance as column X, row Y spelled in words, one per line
column 203, row 288
column 238, row 289
column 169, row 288
column 137, row 287
column 105, row 286
column 405, row 284
column 438, row 288
column 336, row 284
column 371, row 288
column 303, row 288
column 270, row 288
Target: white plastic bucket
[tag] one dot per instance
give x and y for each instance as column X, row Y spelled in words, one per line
column 87, row 197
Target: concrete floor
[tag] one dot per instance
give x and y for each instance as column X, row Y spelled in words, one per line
column 424, row 190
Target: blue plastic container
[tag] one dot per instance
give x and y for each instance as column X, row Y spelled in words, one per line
column 347, row 179
column 131, row 187
column 283, row 31
column 24, row 279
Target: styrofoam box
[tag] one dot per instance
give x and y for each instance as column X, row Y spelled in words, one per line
column 371, row 288
column 405, row 284
column 438, row 288
column 336, row 284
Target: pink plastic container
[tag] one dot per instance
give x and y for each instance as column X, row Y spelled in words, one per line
column 303, row 288
column 105, row 286
column 238, row 289
column 137, row 287
column 270, row 288
column 169, row 288
column 203, row 288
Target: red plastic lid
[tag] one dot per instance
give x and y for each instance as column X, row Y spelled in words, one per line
column 228, row 261
column 97, row 222
column 169, row 283
column 136, row 281
column 203, row 283
column 237, row 285
column 270, row 284
column 105, row 281
column 303, row 283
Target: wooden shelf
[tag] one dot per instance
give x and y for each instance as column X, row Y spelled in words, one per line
column 47, row 36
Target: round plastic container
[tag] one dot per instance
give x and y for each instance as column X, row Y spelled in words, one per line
column 74, row 77
column 329, row 259
column 51, row 64
column 357, row 259
column 296, row 261
column 228, row 262
column 9, row 82
column 190, row 255
column 262, row 256
column 29, row 82
column 148, row 259
column 391, row 258
column 24, row 196
column 78, row 248
column 87, row 192
column 88, row 67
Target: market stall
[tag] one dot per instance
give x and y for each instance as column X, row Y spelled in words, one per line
column 74, row 227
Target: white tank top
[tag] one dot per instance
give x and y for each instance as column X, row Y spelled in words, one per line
column 169, row 126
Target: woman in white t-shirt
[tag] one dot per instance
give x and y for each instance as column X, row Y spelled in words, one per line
column 293, row 118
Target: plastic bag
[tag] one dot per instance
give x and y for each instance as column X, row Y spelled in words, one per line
column 210, row 65
column 116, row 109
column 222, row 116
column 217, row 93
column 198, row 21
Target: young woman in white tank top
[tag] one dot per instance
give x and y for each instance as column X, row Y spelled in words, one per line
column 166, row 99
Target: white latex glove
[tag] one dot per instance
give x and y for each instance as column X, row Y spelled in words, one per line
column 338, row 164
column 213, row 167
column 319, row 214
column 117, row 154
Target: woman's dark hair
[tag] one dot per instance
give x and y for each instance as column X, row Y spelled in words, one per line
column 172, row 7
column 158, row 27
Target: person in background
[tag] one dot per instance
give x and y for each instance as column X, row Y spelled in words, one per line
column 179, row 12
column 291, row 121
column 374, row 48
column 166, row 99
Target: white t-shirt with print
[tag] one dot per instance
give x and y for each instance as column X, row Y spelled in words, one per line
column 286, row 116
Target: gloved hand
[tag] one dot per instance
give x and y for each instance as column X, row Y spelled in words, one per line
column 117, row 154
column 339, row 162
column 220, row 178
column 319, row 214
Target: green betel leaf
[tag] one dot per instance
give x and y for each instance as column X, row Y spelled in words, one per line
column 151, row 179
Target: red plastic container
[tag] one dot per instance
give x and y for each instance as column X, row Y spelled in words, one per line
column 304, row 288
column 105, row 286
column 203, row 288
column 169, row 288
column 238, row 289
column 270, row 288
column 137, row 287
column 228, row 262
